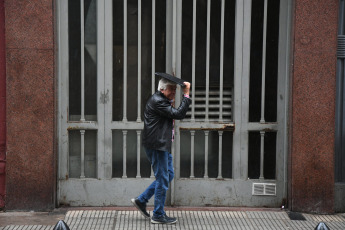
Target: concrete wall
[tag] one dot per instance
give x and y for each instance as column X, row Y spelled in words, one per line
column 31, row 164
column 312, row 121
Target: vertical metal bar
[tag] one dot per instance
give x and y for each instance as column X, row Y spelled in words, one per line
column 82, row 153
column 176, row 145
column 283, row 92
column 193, row 61
column 178, row 48
column 178, row 153
column 153, row 56
column 220, row 133
column 139, row 62
column 342, row 136
column 124, row 60
column 221, row 61
column 153, row 45
column 239, row 61
column 339, row 118
column 107, row 58
column 62, row 62
column 206, row 154
column 138, row 153
column 169, row 36
column 244, row 97
column 124, row 138
column 208, row 57
column 262, row 120
column 192, row 134
column 343, row 128
column 262, row 148
column 82, row 54
column 103, row 157
column 172, row 183
column 174, row 38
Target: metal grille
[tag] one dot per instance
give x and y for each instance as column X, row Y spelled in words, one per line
column 214, row 105
column 341, row 46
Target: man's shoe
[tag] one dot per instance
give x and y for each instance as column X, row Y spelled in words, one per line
column 164, row 219
column 141, row 207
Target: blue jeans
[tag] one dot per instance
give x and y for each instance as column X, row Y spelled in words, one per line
column 162, row 166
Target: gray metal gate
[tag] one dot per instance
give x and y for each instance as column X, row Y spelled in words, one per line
column 230, row 150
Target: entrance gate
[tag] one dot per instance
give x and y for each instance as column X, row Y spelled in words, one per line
column 230, row 150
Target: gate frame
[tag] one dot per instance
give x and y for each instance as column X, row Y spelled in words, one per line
column 104, row 57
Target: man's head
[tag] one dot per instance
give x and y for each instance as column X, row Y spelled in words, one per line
column 168, row 88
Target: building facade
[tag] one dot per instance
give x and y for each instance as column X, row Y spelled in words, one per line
column 264, row 129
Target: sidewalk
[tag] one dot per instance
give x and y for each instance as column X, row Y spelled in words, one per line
column 188, row 218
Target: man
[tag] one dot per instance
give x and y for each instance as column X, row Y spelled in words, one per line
column 158, row 135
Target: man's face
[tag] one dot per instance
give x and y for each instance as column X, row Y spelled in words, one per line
column 170, row 92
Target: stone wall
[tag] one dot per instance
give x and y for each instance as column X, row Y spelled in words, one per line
column 312, row 121
column 31, row 165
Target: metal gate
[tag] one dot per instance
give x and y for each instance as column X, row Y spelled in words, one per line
column 230, row 150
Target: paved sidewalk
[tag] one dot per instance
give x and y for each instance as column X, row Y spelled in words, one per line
column 188, row 219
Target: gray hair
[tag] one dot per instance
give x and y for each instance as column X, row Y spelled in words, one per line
column 163, row 83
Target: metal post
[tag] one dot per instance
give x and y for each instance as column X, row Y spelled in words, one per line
column 208, row 58
column 262, row 120
column 82, row 153
column 124, row 61
column 139, row 62
column 221, row 62
column 153, row 45
column 192, row 134
column 340, row 94
column 206, row 154
column 262, row 149
column 124, row 138
column 220, row 133
column 174, row 38
column 82, row 54
column 138, row 153
column 193, row 62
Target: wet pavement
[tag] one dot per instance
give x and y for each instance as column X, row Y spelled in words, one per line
column 188, row 218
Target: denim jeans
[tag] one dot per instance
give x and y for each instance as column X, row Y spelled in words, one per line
column 162, row 166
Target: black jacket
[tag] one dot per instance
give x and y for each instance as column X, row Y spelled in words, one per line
column 158, row 121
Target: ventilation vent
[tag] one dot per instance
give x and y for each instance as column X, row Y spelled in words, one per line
column 341, row 46
column 213, row 107
column 264, row 189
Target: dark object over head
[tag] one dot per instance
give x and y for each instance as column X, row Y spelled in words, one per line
column 171, row 78
column 322, row 226
column 61, row 225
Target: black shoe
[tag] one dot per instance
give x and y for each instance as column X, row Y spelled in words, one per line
column 163, row 220
column 141, row 207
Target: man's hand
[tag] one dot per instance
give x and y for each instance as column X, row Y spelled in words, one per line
column 186, row 89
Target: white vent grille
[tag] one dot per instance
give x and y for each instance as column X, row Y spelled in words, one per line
column 264, row 189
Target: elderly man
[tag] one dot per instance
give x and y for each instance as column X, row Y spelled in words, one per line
column 158, row 135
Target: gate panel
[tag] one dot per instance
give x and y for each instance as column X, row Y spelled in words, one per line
column 222, row 156
column 257, row 160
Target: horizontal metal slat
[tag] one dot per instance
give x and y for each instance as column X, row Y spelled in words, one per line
column 210, row 113
column 341, row 46
column 211, row 99
column 202, row 106
column 213, row 93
